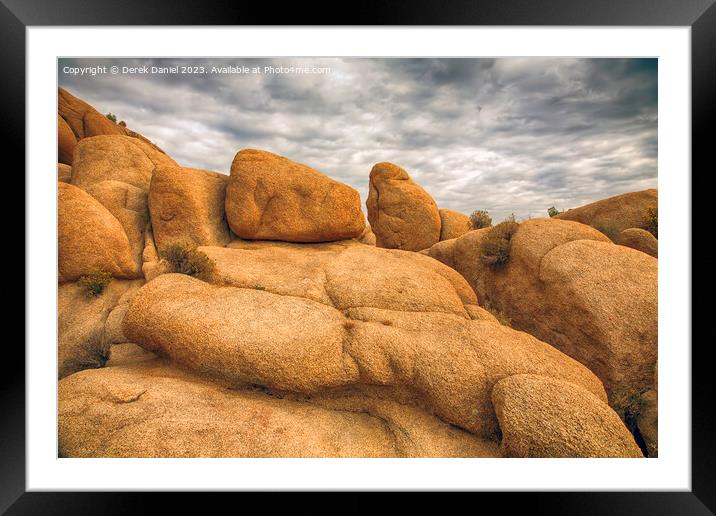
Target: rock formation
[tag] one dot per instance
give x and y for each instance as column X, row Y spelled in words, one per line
column 639, row 239
column 453, row 224
column 565, row 283
column 270, row 197
column 401, row 214
column 613, row 215
column 88, row 326
column 84, row 121
column 90, row 238
column 66, row 142
column 64, row 173
column 545, row 417
column 187, row 205
column 314, row 335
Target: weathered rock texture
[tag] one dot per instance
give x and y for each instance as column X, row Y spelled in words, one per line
column 402, row 215
column 568, row 285
column 270, row 197
column 367, row 237
column 453, row 224
column 639, row 239
column 615, row 214
column 90, row 238
column 64, row 173
column 66, row 142
column 116, row 158
column 84, row 121
column 117, row 171
column 342, row 317
column 140, row 406
column 548, row 417
column 187, row 205
column 87, row 326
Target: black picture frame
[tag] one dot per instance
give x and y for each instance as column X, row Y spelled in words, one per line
column 700, row 15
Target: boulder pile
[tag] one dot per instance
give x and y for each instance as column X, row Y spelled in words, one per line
column 257, row 315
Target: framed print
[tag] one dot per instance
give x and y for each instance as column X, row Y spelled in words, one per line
column 413, row 251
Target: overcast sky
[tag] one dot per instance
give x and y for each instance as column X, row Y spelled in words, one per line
column 507, row 135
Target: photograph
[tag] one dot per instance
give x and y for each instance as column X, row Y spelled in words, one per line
column 357, row 257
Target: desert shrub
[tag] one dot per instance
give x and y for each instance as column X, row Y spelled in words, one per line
column 480, row 219
column 553, row 212
column 95, row 282
column 495, row 248
column 185, row 258
column 112, row 117
column 652, row 221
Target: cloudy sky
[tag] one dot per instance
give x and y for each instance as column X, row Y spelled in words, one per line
column 507, row 135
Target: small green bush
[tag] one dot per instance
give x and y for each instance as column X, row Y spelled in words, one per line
column 553, row 212
column 652, row 221
column 480, row 219
column 95, row 282
column 112, row 117
column 495, row 248
column 184, row 258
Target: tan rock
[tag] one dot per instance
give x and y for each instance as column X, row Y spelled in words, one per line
column 270, row 197
column 453, row 224
column 315, row 318
column 66, row 142
column 548, row 417
column 141, row 406
column 117, row 171
column 615, row 214
column 343, row 275
column 89, row 237
column 113, row 330
column 187, row 205
column 85, row 121
column 639, row 239
column 367, row 237
column 116, row 158
column 82, row 324
column 129, row 206
column 401, row 214
column 64, row 173
column 568, row 285
column 477, row 313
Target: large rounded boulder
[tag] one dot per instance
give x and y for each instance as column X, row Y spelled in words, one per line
column 401, row 213
column 639, row 239
column 142, row 406
column 270, row 197
column 90, row 238
column 551, row 418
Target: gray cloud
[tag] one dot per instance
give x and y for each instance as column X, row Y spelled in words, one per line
column 508, row 135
